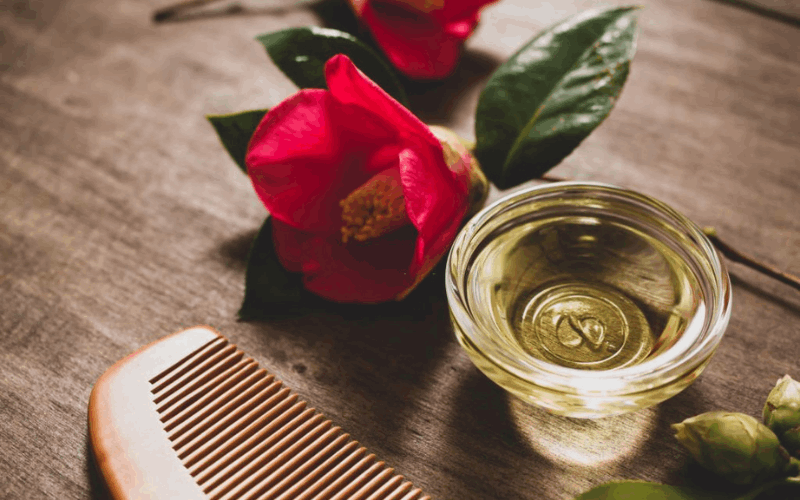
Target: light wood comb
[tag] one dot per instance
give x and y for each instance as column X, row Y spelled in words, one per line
column 192, row 417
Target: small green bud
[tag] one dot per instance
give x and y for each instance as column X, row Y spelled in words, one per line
column 735, row 446
column 782, row 413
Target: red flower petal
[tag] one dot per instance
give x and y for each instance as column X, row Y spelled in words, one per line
column 455, row 10
column 315, row 148
column 421, row 44
column 436, row 202
column 436, row 198
column 349, row 86
column 432, row 191
column 414, row 42
column 369, row 272
column 290, row 244
column 311, row 151
column 460, row 29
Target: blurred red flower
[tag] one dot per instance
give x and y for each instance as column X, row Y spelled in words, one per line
column 363, row 201
column 421, row 38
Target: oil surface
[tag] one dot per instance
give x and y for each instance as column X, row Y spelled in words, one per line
column 584, row 292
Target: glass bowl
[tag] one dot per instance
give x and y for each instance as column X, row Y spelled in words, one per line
column 586, row 299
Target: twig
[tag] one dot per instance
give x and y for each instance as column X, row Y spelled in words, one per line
column 167, row 12
column 730, row 252
column 553, row 178
column 170, row 11
column 737, row 256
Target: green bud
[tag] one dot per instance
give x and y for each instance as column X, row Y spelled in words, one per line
column 782, row 413
column 735, row 446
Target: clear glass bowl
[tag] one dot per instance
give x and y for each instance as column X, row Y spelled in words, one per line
column 587, row 299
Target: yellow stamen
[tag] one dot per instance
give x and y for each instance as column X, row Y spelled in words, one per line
column 375, row 208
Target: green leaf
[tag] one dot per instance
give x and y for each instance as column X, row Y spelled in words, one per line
column 638, row 490
column 301, row 53
column 541, row 103
column 268, row 286
column 235, row 131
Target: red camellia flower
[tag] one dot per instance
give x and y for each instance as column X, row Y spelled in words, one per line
column 364, row 198
column 422, row 38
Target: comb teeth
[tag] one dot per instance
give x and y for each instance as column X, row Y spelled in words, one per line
column 242, row 435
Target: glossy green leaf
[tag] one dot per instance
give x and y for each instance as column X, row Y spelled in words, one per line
column 301, row 53
column 268, row 286
column 539, row 105
column 638, row 490
column 235, row 131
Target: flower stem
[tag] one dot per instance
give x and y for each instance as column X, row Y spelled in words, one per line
column 730, row 252
column 750, row 261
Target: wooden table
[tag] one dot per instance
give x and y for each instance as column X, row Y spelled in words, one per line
column 122, row 219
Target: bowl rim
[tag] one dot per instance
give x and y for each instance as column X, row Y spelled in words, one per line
column 646, row 376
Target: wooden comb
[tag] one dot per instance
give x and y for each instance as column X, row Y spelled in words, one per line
column 192, row 417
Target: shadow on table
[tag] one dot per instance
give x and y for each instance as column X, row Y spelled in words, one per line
column 792, row 307
column 97, row 485
column 435, row 102
column 514, row 438
column 366, row 362
column 234, row 252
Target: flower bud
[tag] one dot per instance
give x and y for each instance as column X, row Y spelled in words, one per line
column 782, row 413
column 735, row 446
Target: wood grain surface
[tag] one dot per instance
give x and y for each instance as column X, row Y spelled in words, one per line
column 122, row 220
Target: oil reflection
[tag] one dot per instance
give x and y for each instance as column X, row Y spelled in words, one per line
column 581, row 442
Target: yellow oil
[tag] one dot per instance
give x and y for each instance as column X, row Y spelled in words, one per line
column 584, row 292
